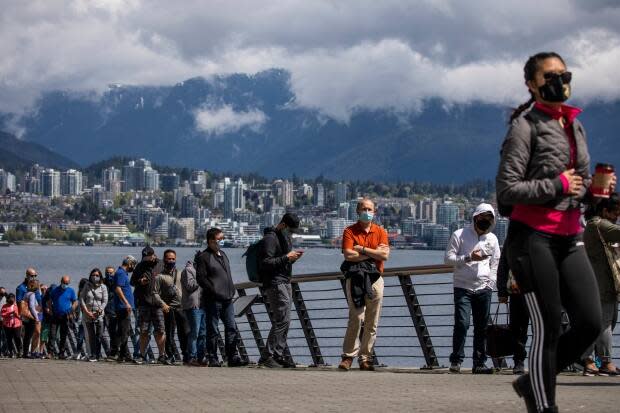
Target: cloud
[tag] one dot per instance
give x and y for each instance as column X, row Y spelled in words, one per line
column 342, row 55
column 223, row 120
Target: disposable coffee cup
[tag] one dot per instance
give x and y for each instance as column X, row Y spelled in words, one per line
column 601, row 181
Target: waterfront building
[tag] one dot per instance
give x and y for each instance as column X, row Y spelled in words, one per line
column 169, row 182
column 283, row 191
column 501, row 229
column 111, row 178
column 440, row 236
column 50, row 183
column 448, row 214
column 342, row 192
column 319, row 196
column 335, row 227
column 182, row 228
column 71, row 182
column 7, row 182
column 234, row 200
column 151, row 179
column 426, row 209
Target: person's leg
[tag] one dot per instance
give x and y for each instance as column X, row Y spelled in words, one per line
column 604, row 342
column 281, row 308
column 519, row 320
column 372, row 314
column 63, row 323
column 194, row 325
column 159, row 329
column 99, row 338
column 11, row 345
column 28, row 327
column 481, row 307
column 201, row 341
column 90, row 334
column 581, row 300
column 182, row 327
column 212, row 314
column 462, row 313
column 111, row 321
column 123, row 331
column 230, row 329
column 351, row 343
column 168, row 328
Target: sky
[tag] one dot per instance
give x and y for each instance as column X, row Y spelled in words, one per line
column 342, row 55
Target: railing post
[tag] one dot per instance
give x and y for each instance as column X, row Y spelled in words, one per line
column 260, row 344
column 415, row 310
column 306, row 325
column 375, row 360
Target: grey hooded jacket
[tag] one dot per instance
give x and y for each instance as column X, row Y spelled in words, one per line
column 534, row 154
column 610, row 232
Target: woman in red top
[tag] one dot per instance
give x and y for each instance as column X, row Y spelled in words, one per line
column 12, row 325
column 542, row 182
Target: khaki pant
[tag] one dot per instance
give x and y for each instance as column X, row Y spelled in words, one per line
column 369, row 314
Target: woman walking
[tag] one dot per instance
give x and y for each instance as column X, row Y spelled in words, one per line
column 543, row 178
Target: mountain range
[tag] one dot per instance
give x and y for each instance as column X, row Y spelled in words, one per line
column 252, row 123
column 17, row 154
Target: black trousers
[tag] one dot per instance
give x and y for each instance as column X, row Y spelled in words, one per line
column 519, row 321
column 13, row 340
column 110, row 325
column 28, row 326
column 553, row 272
column 62, row 322
column 175, row 320
column 123, row 329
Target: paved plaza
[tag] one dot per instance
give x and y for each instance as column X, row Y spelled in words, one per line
column 72, row 386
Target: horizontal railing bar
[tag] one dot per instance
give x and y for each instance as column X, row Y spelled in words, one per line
column 390, row 272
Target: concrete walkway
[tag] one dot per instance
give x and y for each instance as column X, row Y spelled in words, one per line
column 60, row 386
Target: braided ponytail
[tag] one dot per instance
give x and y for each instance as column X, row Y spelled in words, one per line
column 529, row 73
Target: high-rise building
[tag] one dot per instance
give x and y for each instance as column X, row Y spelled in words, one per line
column 50, row 183
column 407, row 227
column 234, row 200
column 71, row 182
column 440, row 236
column 501, row 229
column 447, row 214
column 189, row 206
column 111, row 177
column 319, row 196
column 182, row 228
column 169, row 182
column 342, row 192
column 335, row 227
column 151, row 179
column 427, row 209
column 283, row 191
column 7, row 182
column 134, row 176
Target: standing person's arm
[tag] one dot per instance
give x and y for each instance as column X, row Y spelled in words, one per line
column 609, row 231
column 348, row 248
column 271, row 260
column 494, row 261
column 74, row 302
column 120, row 294
column 452, row 256
column 502, row 277
column 85, row 309
column 188, row 281
column 104, row 304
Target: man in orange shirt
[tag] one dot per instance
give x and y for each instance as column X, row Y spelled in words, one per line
column 364, row 241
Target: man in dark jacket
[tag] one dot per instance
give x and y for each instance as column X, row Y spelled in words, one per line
column 275, row 268
column 213, row 275
column 150, row 306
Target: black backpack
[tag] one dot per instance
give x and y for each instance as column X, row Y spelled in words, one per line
column 252, row 261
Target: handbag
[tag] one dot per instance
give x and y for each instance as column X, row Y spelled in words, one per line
column 500, row 341
column 613, row 258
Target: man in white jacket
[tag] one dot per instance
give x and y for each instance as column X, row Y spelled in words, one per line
column 474, row 252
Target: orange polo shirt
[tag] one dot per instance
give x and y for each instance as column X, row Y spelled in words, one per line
column 355, row 235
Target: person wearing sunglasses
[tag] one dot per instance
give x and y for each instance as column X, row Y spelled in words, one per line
column 542, row 182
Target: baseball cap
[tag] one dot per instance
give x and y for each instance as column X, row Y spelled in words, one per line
column 291, row 221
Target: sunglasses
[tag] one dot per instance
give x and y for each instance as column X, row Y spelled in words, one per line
column 566, row 76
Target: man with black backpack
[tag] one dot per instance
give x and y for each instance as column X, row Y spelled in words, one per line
column 214, row 276
column 276, row 260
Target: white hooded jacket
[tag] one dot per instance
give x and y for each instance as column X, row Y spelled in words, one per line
column 474, row 275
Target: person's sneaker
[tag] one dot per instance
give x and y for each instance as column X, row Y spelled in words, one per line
column 366, row 365
column 214, row 363
column 518, row 368
column 92, row 359
column 286, row 363
column 269, row 363
column 62, row 357
column 136, row 360
column 524, row 390
column 346, row 363
column 482, row 369
column 111, row 358
column 194, row 363
column 455, row 367
column 163, row 360
column 236, row 361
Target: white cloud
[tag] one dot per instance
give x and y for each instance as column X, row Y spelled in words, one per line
column 223, row 120
column 342, row 55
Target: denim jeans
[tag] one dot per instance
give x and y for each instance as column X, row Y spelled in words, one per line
column 467, row 302
column 225, row 311
column 196, row 339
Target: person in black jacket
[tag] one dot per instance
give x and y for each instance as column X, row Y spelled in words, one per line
column 275, row 270
column 214, row 276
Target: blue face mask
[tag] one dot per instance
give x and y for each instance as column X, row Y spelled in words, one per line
column 220, row 243
column 366, row 216
column 64, row 286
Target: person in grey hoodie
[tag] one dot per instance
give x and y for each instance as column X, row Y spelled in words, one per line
column 474, row 252
column 172, row 293
column 93, row 301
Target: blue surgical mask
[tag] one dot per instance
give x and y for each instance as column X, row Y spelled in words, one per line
column 366, row 216
column 220, row 243
column 64, row 286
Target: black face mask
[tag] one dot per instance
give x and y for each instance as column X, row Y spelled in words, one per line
column 152, row 263
column 483, row 224
column 169, row 265
column 556, row 88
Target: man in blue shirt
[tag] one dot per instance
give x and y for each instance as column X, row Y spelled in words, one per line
column 64, row 303
column 123, row 305
column 28, row 324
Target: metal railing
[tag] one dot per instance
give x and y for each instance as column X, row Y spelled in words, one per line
column 415, row 327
